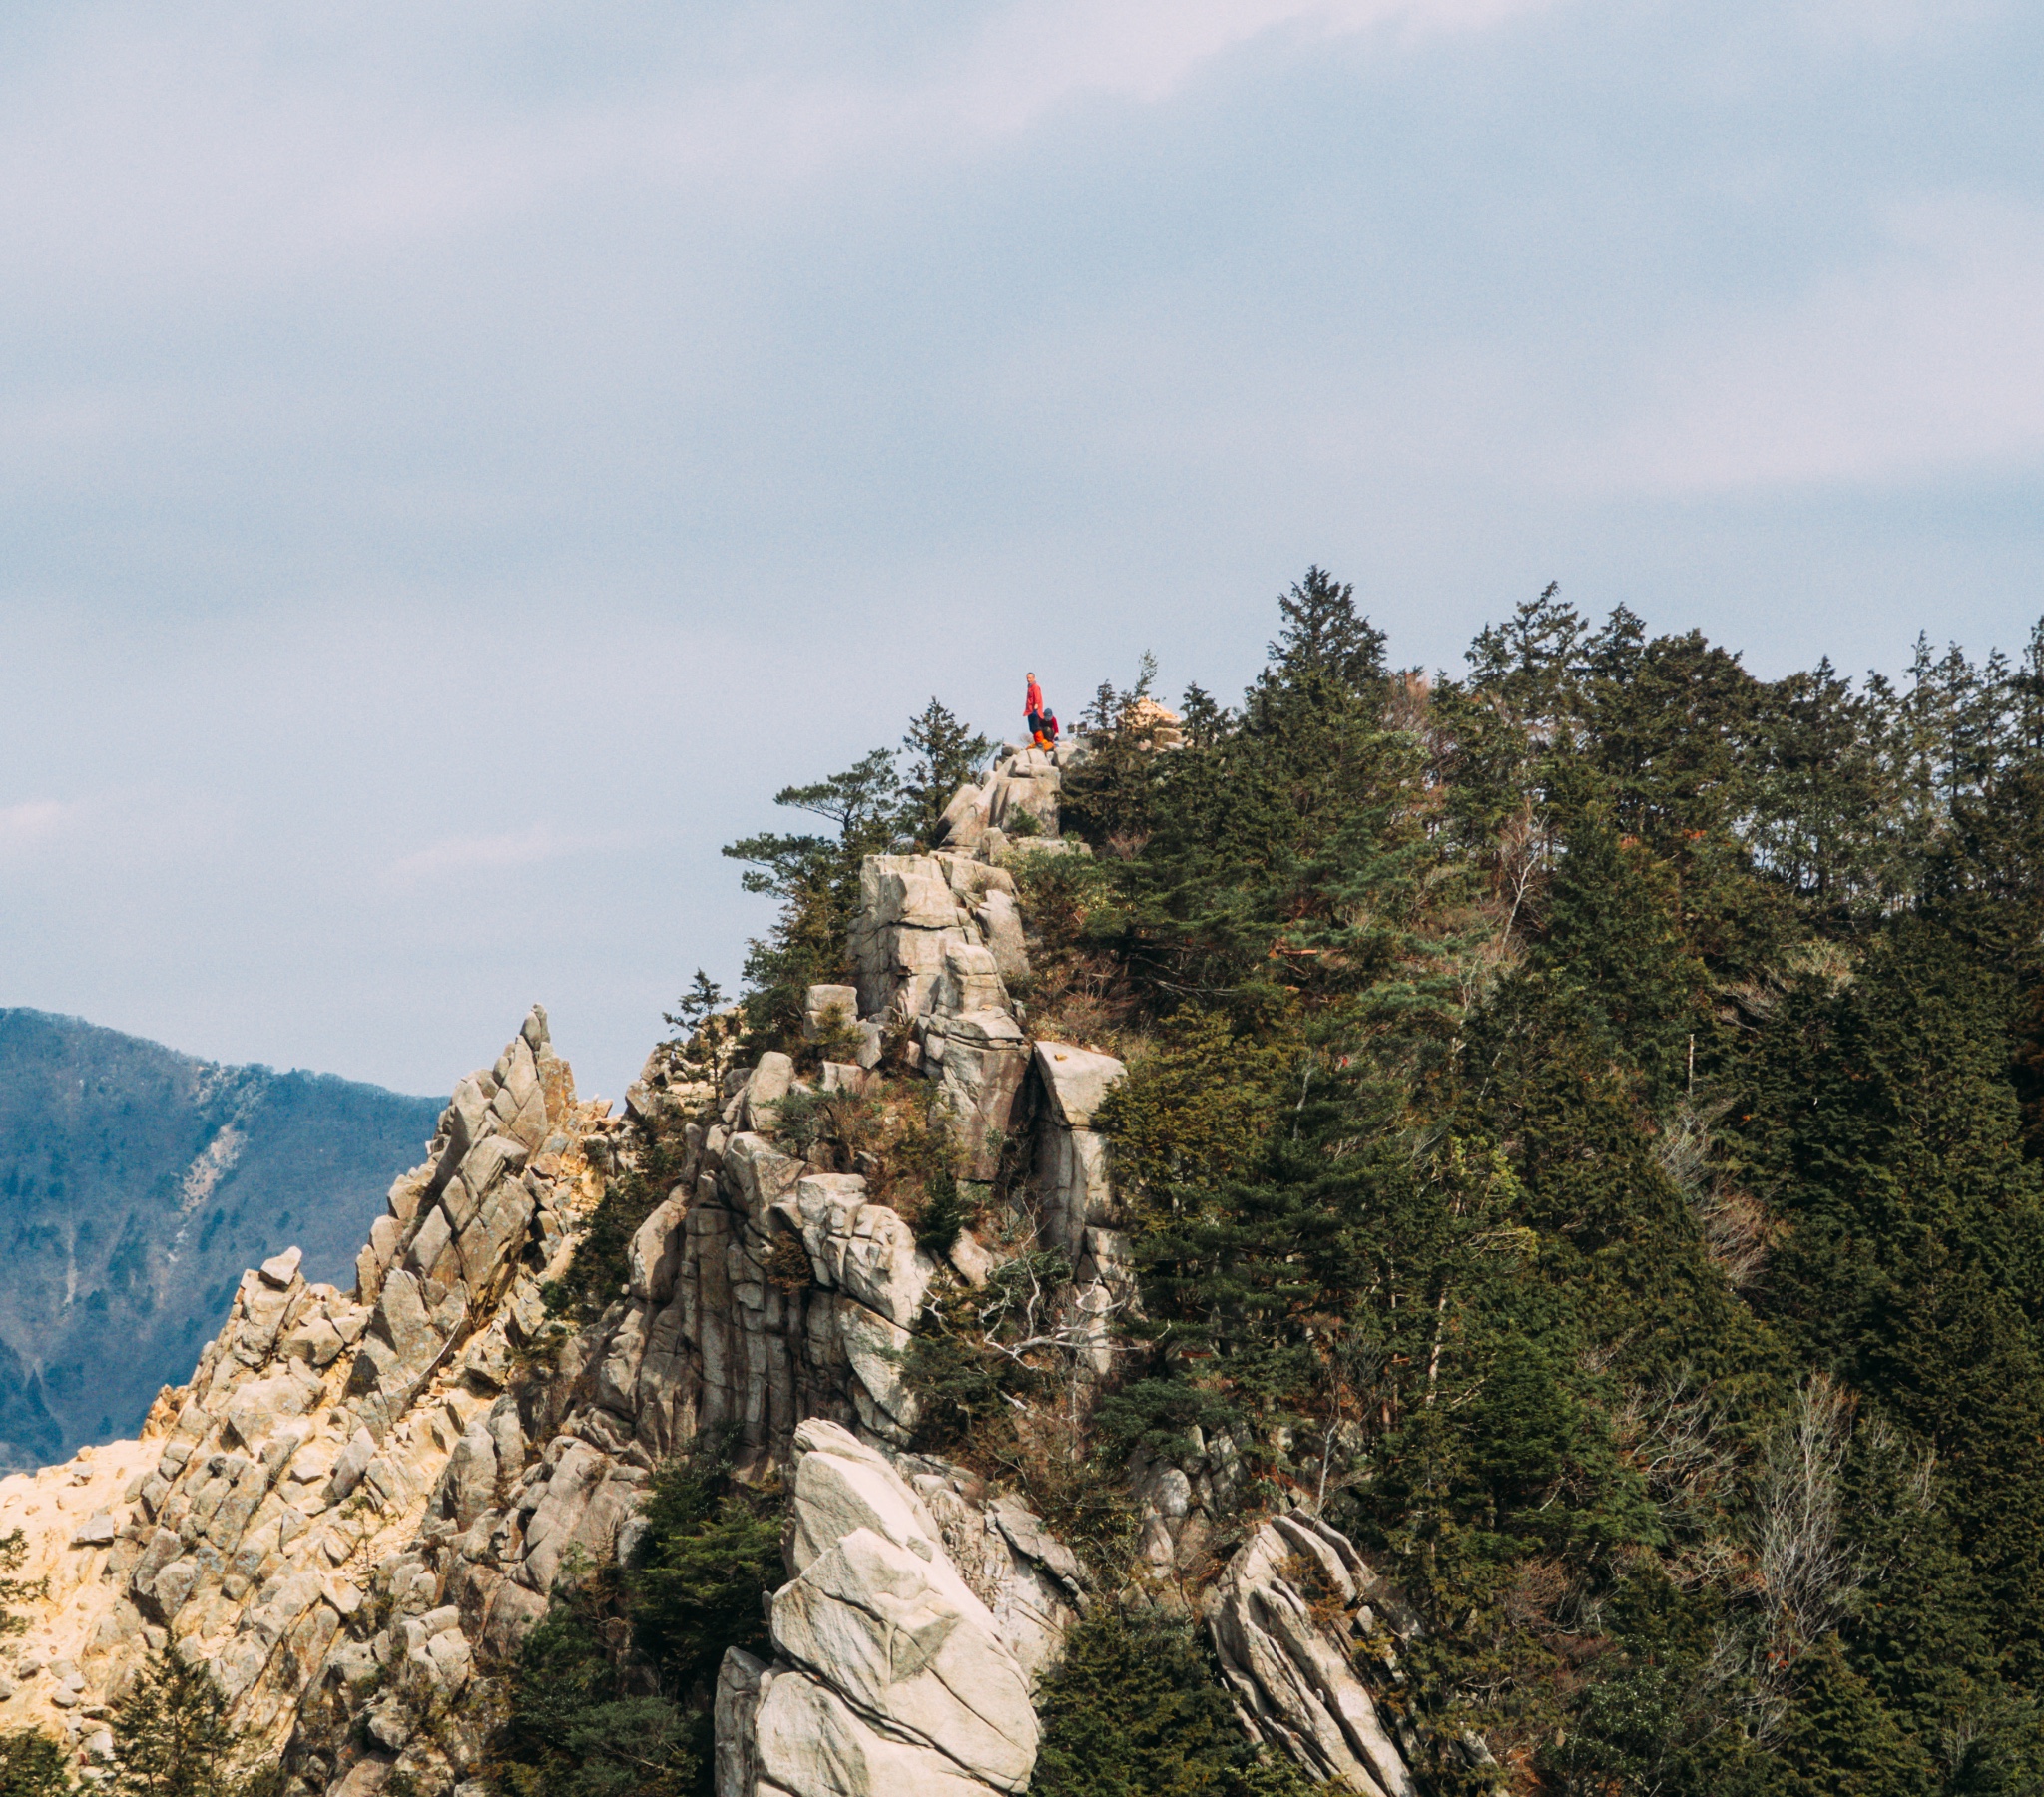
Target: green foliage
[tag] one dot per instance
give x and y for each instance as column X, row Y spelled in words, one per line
column 13, row 1551
column 961, row 1362
column 171, row 1736
column 817, row 880
column 944, row 1212
column 705, row 1029
column 597, row 1275
column 712, row 1548
column 576, row 1728
column 1107, row 796
column 875, row 811
column 945, row 754
column 1135, row 1709
column 803, row 1119
column 32, row 1764
column 838, row 1035
column 696, row 1006
column 1199, row 1102
column 1583, row 1134
column 610, row 1693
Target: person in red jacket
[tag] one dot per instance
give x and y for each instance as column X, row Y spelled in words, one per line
column 1032, row 709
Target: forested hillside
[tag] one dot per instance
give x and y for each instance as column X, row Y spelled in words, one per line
column 134, row 1185
column 1581, row 1137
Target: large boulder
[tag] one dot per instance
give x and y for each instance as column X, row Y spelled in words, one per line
column 909, row 915
column 899, row 1645
column 1071, row 1171
column 981, row 1062
column 892, row 1677
column 1027, row 781
column 1075, row 1080
column 1293, row 1661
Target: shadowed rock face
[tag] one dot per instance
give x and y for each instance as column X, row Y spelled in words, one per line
column 134, row 1185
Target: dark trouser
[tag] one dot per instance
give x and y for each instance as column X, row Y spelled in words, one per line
column 1035, row 722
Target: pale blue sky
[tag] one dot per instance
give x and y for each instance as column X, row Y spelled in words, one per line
column 456, row 462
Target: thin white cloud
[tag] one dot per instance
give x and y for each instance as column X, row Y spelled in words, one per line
column 212, row 148
column 35, row 821
column 1925, row 361
column 1034, row 57
column 457, row 856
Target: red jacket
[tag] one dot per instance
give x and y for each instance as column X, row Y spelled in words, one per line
column 1033, row 703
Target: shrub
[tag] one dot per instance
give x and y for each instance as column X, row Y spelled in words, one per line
column 1135, row 1709
column 611, row 1693
column 710, row 1552
column 839, row 1037
column 13, row 1550
column 32, row 1765
column 171, row 1736
column 1197, row 1107
column 602, row 1261
column 576, row 1730
column 944, row 1212
column 803, row 1119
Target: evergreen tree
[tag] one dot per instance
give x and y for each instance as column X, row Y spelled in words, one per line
column 696, row 1006
column 575, row 1730
column 944, row 755
column 14, row 1589
column 1823, row 810
column 1133, row 1710
column 172, row 1735
column 817, row 880
column 32, row 1765
column 1325, row 645
column 1548, row 1093
column 612, row 1691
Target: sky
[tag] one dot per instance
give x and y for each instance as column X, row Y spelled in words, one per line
column 457, row 462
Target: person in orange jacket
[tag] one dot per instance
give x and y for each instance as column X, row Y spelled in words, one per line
column 1032, row 709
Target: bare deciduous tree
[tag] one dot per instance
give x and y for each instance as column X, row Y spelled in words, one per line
column 1808, row 1572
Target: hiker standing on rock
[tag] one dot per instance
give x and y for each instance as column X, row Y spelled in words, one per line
column 1032, row 709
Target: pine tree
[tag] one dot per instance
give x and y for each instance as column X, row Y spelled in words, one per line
column 946, row 753
column 171, row 1736
column 1323, row 641
column 1826, row 805
column 817, row 880
column 695, row 1005
column 32, row 1765
column 1134, row 1710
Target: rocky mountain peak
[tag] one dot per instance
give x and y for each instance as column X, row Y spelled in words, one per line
column 361, row 1502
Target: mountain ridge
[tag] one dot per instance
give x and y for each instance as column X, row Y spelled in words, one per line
column 136, row 1181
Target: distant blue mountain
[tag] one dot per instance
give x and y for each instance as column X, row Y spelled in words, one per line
column 136, row 1184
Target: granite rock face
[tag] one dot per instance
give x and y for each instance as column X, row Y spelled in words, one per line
column 318, row 1466
column 1293, row 1663
column 1024, row 780
column 891, row 1673
column 358, row 1506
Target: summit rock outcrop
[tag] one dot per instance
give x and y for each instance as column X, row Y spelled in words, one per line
column 363, row 1500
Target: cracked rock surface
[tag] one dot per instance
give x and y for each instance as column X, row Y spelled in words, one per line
column 890, row 1672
